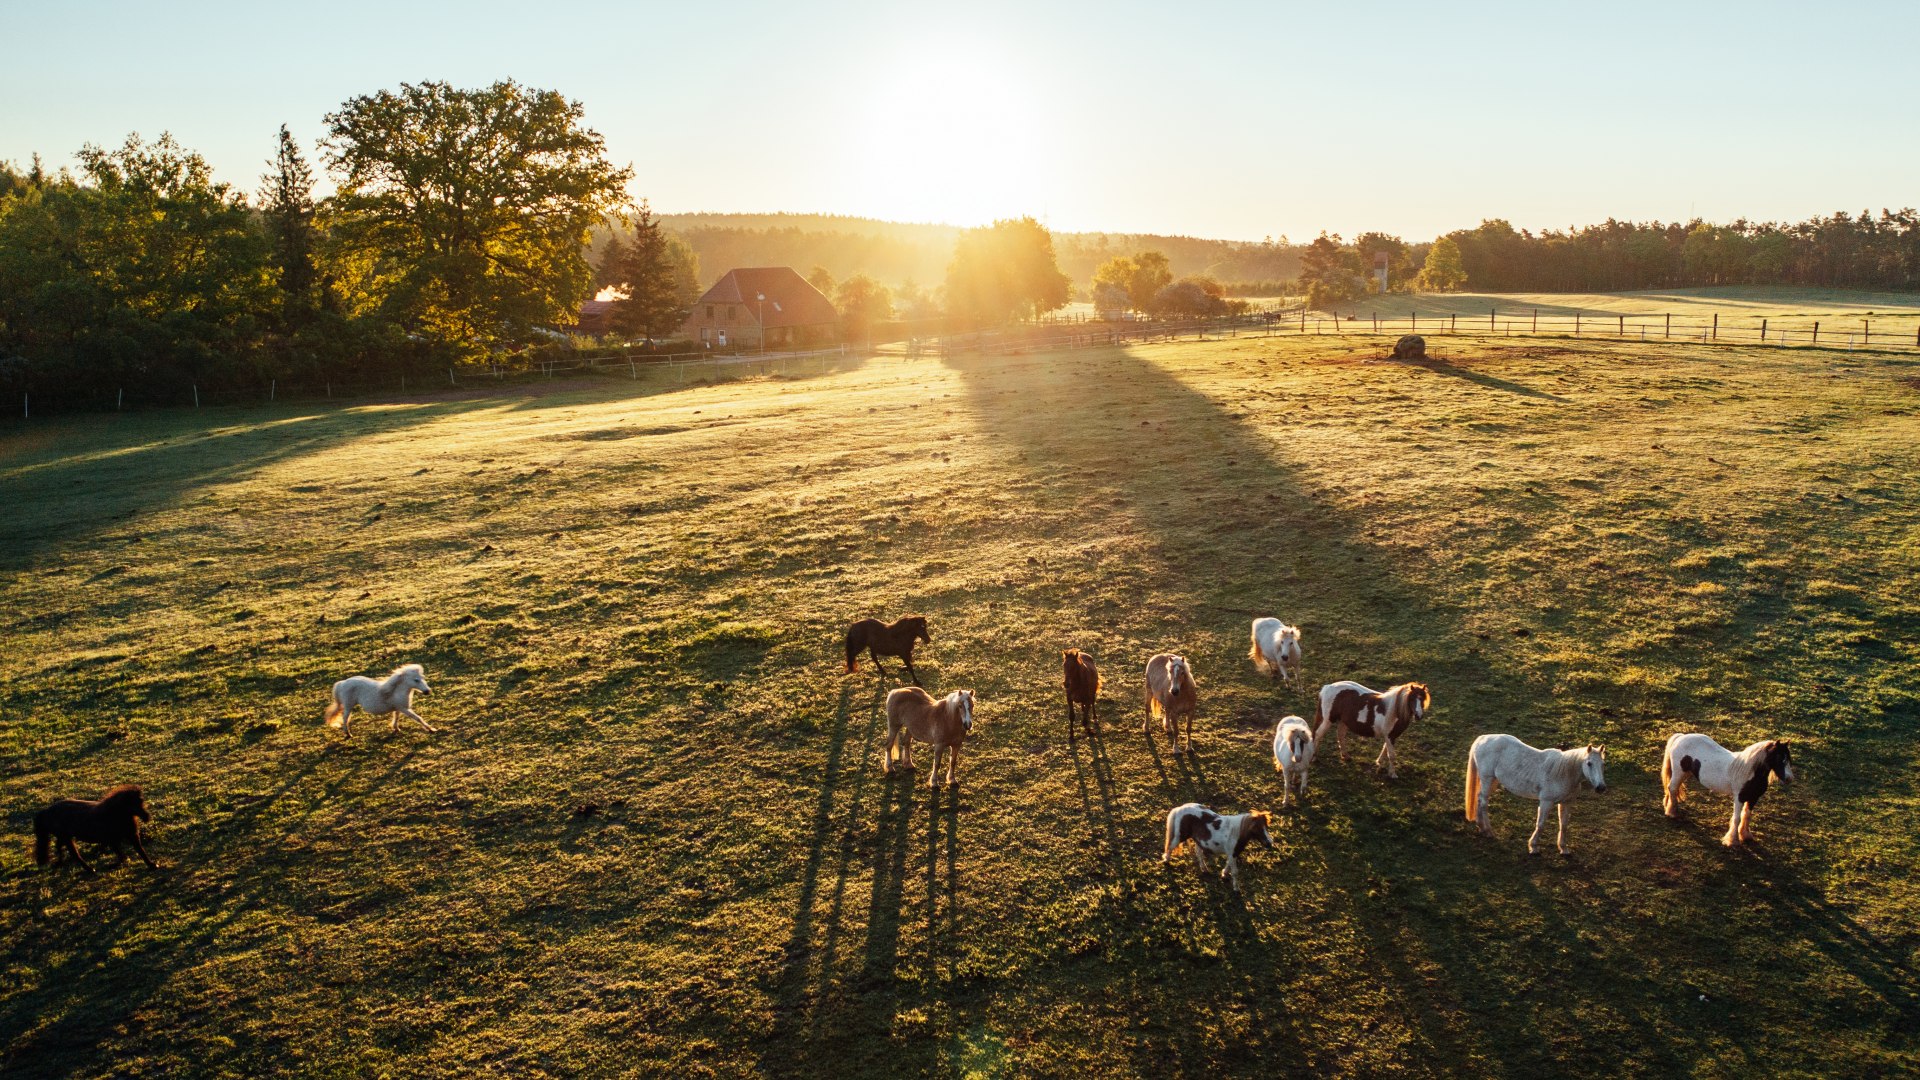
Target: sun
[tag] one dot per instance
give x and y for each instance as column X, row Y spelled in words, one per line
column 954, row 136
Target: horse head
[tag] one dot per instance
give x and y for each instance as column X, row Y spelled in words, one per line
column 1256, row 829
column 1593, row 769
column 919, row 625
column 1780, row 761
column 1417, row 698
column 964, row 699
column 1178, row 674
column 416, row 678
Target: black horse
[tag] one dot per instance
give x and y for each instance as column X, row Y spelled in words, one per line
column 113, row 819
column 887, row 639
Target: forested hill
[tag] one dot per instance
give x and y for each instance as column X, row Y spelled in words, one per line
column 896, row 252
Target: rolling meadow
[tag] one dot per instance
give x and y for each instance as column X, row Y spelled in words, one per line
column 653, row 837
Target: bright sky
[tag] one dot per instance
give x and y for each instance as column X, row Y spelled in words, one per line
column 1237, row 120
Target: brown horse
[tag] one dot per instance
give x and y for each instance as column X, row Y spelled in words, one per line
column 912, row 713
column 114, row 819
column 1171, row 695
column 1083, row 688
column 887, row 639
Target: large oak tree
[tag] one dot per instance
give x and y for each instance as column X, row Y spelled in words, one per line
column 464, row 213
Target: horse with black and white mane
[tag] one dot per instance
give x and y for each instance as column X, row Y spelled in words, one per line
column 1226, row 835
column 1551, row 776
column 1275, row 651
column 1348, row 706
column 1742, row 775
column 1292, row 753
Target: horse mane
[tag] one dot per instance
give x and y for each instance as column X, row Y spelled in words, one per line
column 119, row 794
column 404, row 669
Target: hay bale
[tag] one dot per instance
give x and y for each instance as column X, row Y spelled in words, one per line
column 1410, row 347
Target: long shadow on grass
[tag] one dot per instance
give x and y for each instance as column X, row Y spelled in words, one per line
column 1214, row 502
column 84, row 1004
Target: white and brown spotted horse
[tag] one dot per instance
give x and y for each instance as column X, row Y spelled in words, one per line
column 1226, row 835
column 1348, row 706
column 1741, row 774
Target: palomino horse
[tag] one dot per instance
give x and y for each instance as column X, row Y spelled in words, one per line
column 1742, row 775
column 391, row 697
column 1292, row 753
column 887, row 639
column 1551, row 776
column 1276, row 649
column 1083, row 689
column 912, row 713
column 1352, row 707
column 113, row 818
column 1171, row 695
column 1223, row 834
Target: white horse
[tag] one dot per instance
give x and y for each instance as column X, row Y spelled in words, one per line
column 1551, row 776
column 1292, row 753
column 1276, row 649
column 392, row 697
column 1716, row 768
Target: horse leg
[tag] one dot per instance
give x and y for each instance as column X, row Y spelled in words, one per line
column 1232, row 872
column 415, row 717
column 1560, row 811
column 1386, row 755
column 1732, row 839
column 1539, row 826
column 67, row 841
column 873, row 654
column 1480, row 816
column 953, row 765
column 911, row 674
column 142, row 849
column 1746, row 824
column 1199, row 857
column 120, row 851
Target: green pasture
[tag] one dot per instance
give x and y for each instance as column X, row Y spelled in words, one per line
column 653, row 837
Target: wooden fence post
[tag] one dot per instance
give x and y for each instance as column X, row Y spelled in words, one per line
column 1669, row 324
column 1866, row 333
column 1816, row 332
column 1453, row 322
column 1416, row 322
column 273, row 387
column 1491, row 326
column 1716, row 326
column 1623, row 326
column 196, row 395
column 450, row 381
column 1763, row 329
column 120, row 399
column 1536, row 321
column 1576, row 324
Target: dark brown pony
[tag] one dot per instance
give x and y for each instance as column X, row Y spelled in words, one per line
column 1083, row 688
column 113, row 819
column 887, row 639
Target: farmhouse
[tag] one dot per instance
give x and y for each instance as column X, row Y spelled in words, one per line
column 752, row 300
column 593, row 317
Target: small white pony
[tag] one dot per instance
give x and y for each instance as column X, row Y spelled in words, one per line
column 1276, row 649
column 1551, row 776
column 1292, row 753
column 391, row 697
column 1716, row 768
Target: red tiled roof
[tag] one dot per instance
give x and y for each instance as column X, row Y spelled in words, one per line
column 790, row 299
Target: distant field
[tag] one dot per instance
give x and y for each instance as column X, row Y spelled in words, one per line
column 629, row 598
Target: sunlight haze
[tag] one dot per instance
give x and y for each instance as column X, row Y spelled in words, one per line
column 1228, row 120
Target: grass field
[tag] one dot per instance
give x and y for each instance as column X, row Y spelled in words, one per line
column 1738, row 306
column 631, row 596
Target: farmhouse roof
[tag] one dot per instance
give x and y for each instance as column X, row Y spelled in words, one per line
column 790, row 299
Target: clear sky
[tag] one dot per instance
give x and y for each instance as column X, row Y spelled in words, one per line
column 1235, row 120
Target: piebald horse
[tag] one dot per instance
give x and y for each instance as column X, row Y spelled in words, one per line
column 1292, row 753
column 912, row 713
column 1348, row 706
column 1742, row 775
column 1551, row 776
column 1226, row 835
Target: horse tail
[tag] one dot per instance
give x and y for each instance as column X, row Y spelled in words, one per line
column 1167, row 852
column 42, row 839
column 1666, row 773
column 853, row 647
column 335, row 715
column 1473, row 786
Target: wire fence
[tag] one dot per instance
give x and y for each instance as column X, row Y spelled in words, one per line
column 1900, row 333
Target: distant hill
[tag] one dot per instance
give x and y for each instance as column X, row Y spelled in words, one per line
column 896, row 252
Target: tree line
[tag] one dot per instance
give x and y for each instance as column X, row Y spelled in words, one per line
column 457, row 228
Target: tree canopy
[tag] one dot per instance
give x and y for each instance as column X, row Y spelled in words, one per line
column 1003, row 272
column 657, row 276
column 464, row 214
column 1443, row 272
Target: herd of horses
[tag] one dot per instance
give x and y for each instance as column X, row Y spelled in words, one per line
column 1550, row 777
